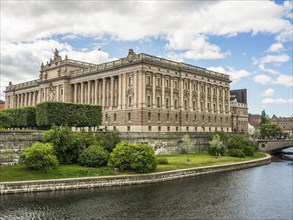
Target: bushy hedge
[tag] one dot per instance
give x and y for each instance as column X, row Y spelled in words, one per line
column 40, row 156
column 5, row 119
column 134, row 157
column 69, row 145
column 163, row 161
column 71, row 114
column 94, row 156
column 22, row 117
column 239, row 143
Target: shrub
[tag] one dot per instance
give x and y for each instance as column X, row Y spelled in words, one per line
column 162, row 161
column 22, row 117
column 236, row 153
column 63, row 142
column 108, row 139
column 93, row 156
column 216, row 146
column 242, row 143
column 137, row 157
column 5, row 120
column 71, row 114
column 40, row 156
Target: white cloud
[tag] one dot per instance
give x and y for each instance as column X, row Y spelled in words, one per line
column 268, row 92
column 262, row 79
column 263, row 68
column 128, row 20
column 275, row 47
column 285, row 80
column 282, row 58
column 21, row 61
column 279, row 101
column 235, row 75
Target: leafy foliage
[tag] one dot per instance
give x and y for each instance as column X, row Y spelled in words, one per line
column 69, row 145
column 93, row 156
column 240, row 143
column 271, row 130
column 216, row 146
column 71, row 114
column 137, row 157
column 223, row 136
column 40, row 156
column 22, row 117
column 265, row 119
column 5, row 119
column 162, row 160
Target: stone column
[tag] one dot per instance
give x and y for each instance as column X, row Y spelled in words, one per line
column 96, row 91
column 123, row 91
column 112, row 93
column 154, row 91
column 212, row 99
column 89, row 92
column 181, row 89
column 135, row 95
column 163, row 101
column 143, row 88
column 198, row 97
column 119, row 97
column 104, row 93
column 171, row 93
column 206, row 98
column 82, row 92
column 190, row 95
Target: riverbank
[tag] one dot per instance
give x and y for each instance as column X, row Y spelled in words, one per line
column 120, row 180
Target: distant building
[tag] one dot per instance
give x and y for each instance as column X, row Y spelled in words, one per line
column 254, row 120
column 240, row 95
column 239, row 111
column 286, row 123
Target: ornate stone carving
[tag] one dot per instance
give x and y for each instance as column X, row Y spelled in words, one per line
column 131, row 55
column 130, row 90
column 51, row 92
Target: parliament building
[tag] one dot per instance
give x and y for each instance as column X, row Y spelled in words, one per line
column 138, row 93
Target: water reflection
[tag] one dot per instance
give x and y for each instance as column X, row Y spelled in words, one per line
column 258, row 193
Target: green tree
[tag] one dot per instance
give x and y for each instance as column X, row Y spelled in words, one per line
column 223, row 136
column 5, row 120
column 271, row 130
column 40, row 156
column 134, row 157
column 187, row 143
column 216, row 146
column 265, row 119
column 94, row 156
column 238, row 143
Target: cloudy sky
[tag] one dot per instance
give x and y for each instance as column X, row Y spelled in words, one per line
column 249, row 40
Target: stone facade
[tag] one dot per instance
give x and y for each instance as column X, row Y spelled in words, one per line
column 254, row 120
column 139, row 93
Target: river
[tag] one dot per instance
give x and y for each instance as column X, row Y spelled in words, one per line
column 263, row 192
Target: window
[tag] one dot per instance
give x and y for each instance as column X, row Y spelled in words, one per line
column 187, row 129
column 176, row 117
column 193, row 87
column 150, row 128
column 186, row 118
column 158, row 82
column 175, row 104
column 130, row 81
column 158, row 101
column 129, row 116
column 220, row 108
column 149, row 80
column 159, row 116
column 175, row 84
column 202, row 119
column 209, row 108
column 106, row 117
column 201, row 106
column 193, row 105
column 149, row 116
column 215, row 107
column 167, row 83
column 114, row 116
column 167, row 102
column 185, row 104
column 130, row 100
column 168, row 117
column 168, row 128
column 186, row 85
column 159, row 128
column 128, row 128
column 209, row 118
column 148, row 100
column 176, row 128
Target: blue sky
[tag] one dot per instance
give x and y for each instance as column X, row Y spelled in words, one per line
column 249, row 40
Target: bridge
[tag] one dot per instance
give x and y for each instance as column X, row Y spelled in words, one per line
column 272, row 146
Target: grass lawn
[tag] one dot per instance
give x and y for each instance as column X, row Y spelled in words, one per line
column 179, row 161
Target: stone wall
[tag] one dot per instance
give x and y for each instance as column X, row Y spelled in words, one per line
column 171, row 142
column 13, row 142
column 92, row 182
